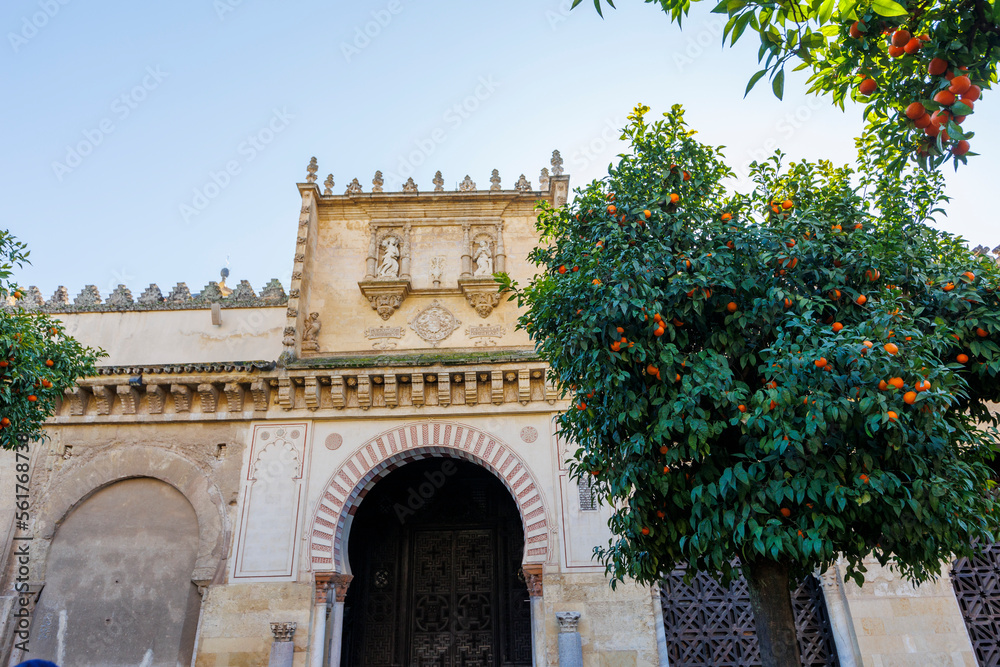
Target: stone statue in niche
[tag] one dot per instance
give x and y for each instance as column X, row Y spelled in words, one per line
column 389, row 267
column 484, row 259
column 311, row 334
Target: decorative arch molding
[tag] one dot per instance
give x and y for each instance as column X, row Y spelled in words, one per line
column 400, row 445
column 77, row 483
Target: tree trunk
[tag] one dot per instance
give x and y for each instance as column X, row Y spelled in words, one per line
column 771, row 601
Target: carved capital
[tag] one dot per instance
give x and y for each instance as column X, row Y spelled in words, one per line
column 385, row 296
column 340, row 583
column 568, row 621
column 322, row 581
column 283, row 631
column 533, row 578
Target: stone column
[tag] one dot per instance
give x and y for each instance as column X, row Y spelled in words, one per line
column 404, row 254
column 466, row 252
column 318, row 640
column 662, row 651
column 340, row 584
column 840, row 617
column 500, row 264
column 570, row 646
column 372, row 259
column 533, row 578
column 282, row 648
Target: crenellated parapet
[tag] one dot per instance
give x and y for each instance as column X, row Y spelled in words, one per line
column 89, row 299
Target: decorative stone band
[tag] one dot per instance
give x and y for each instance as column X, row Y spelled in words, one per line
column 387, row 451
column 231, row 390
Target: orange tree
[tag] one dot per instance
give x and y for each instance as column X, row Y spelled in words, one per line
column 781, row 377
column 919, row 66
column 38, row 361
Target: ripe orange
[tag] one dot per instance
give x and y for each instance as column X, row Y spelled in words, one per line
column 945, row 98
column 742, row 408
column 915, row 110
column 891, row 414
column 861, row 300
column 659, row 331
column 869, row 344
column 940, row 117
column 949, row 287
column 909, row 397
column 897, row 382
column 49, row 362
column 788, row 302
column 612, row 209
column 962, row 358
column 785, row 512
column 912, row 46
column 923, row 121
column 923, row 385
column 731, row 306
column 896, row 51
column 647, row 213
column 837, row 326
column 872, row 275
column 726, row 217
column 46, row 384
column 596, row 281
column 674, row 197
column 4, row 422
column 835, row 294
column 901, row 38
column 867, row 87
column 973, row 93
column 677, row 322
column 857, row 29
column 664, row 449
column 581, row 406
column 863, row 477
column 787, row 204
column 891, row 348
column 981, row 332
column 960, row 85
column 773, row 405
column 32, row 398
column 970, row 275
column 645, row 531
column 960, row 148
column 562, row 269
column 882, row 385
column 821, row 362
column 937, row 67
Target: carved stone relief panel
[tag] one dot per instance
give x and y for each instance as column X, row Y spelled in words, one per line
column 434, row 323
column 271, row 504
column 384, row 338
column 485, row 335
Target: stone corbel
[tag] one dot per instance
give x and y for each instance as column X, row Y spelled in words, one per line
column 129, row 397
column 385, row 295
column 78, row 399
column 105, row 398
column 311, row 389
column 182, row 397
column 482, row 293
column 261, row 392
column 209, row 395
column 155, row 396
column 234, row 396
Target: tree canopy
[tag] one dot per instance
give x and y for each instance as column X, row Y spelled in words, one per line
column 38, row 361
column 784, row 376
column 918, row 66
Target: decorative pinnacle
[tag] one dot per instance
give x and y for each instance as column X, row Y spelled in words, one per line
column 557, row 164
column 312, row 169
column 377, row 182
column 495, row 180
column 438, row 182
column 328, row 185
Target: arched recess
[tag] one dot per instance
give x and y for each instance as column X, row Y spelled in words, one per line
column 411, row 442
column 77, row 483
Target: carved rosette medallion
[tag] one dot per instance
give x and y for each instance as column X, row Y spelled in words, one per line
column 434, row 323
column 529, row 434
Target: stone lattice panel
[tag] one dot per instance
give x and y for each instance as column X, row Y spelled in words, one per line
column 977, row 587
column 708, row 625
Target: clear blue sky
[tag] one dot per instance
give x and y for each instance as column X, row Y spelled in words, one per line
column 166, row 94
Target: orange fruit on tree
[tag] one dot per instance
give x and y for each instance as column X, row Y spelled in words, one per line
column 981, row 332
column 891, row 414
column 972, row 94
column 49, row 362
column 949, row 287
column 857, row 29
column 882, row 385
column 915, row 110
column 861, row 300
column 835, row 294
column 901, row 38
column 909, row 397
column 937, row 67
column 867, row 87
column 562, row 269
column 821, row 362
column 970, row 275
column 923, row 385
column 922, row 121
column 912, row 46
column 645, row 531
column 787, row 204
column 960, row 148
column 788, row 302
column 612, row 209
column 891, row 348
column 731, row 306
column 960, row 85
column 962, row 358
column 659, row 331
column 664, row 449
column 596, row 281
column 897, row 382
column 726, row 217
column 785, row 512
column 674, row 197
column 896, row 51
column 652, row 370
column 863, row 477
column 872, row 275
column 837, row 326
column 945, row 98
column 32, row 398
column 742, row 408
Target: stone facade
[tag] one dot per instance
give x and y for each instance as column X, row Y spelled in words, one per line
column 262, row 421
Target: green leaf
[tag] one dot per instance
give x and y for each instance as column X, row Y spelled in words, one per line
column 753, row 81
column 826, row 11
column 888, row 8
column 778, row 84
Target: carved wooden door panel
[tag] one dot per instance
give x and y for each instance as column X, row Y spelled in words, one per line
column 454, row 598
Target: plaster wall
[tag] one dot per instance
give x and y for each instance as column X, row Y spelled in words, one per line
column 180, row 336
